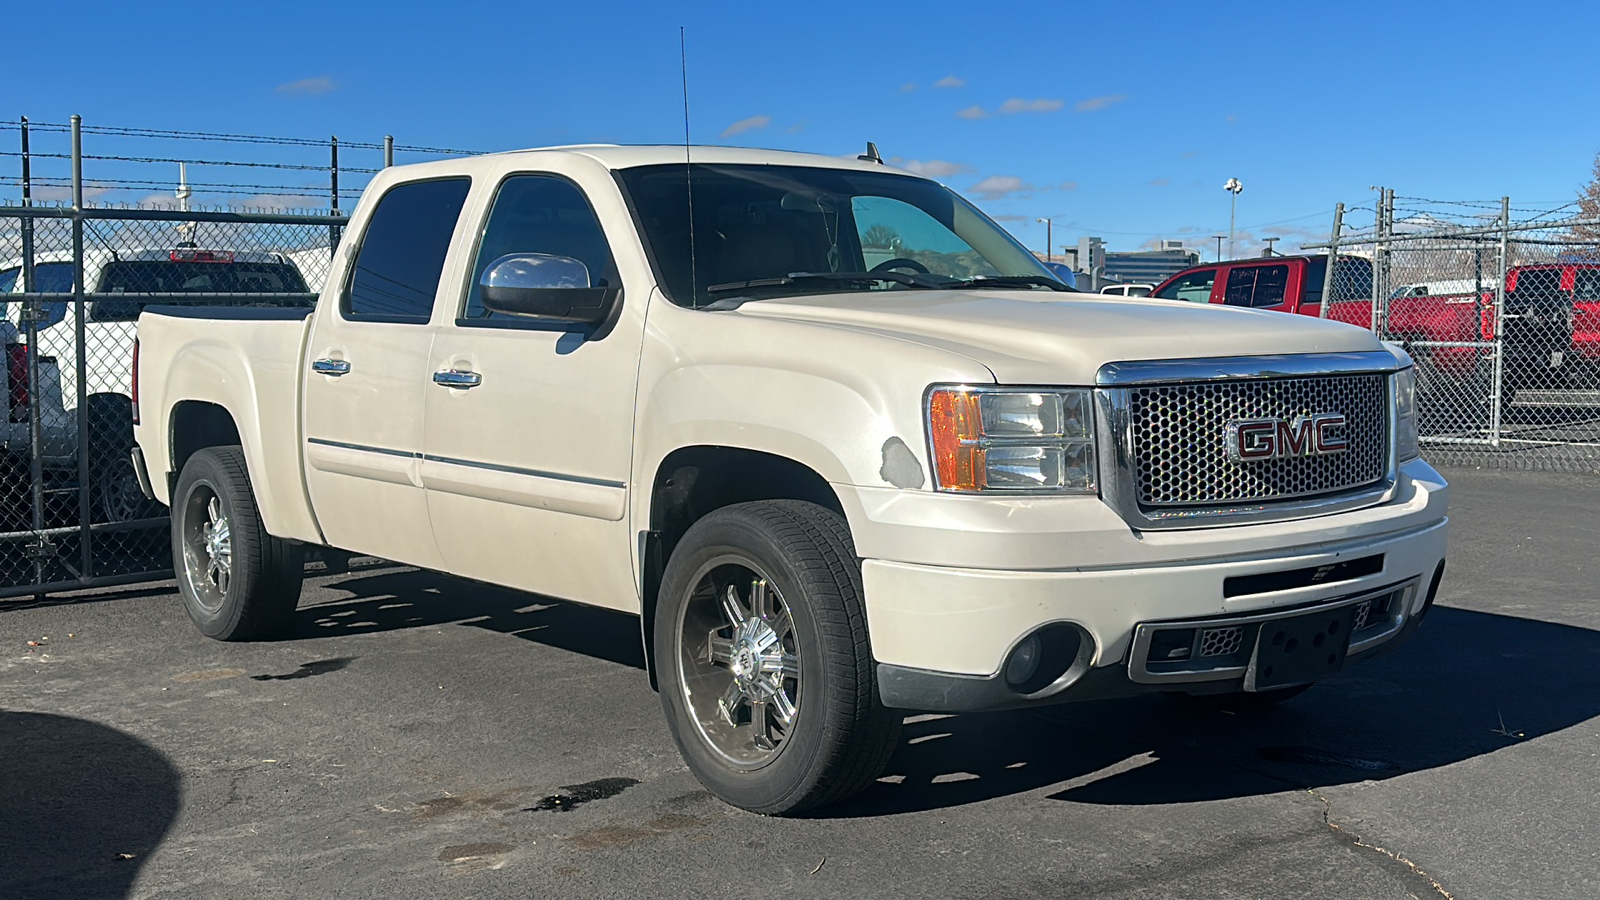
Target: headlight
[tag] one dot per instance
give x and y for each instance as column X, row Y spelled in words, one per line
column 1405, row 396
column 1012, row 441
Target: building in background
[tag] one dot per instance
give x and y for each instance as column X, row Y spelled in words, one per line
column 1098, row 267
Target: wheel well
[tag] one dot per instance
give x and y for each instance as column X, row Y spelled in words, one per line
column 694, row 481
column 195, row 426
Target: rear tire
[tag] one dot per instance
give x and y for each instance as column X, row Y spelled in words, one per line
column 238, row 583
column 767, row 677
column 114, row 491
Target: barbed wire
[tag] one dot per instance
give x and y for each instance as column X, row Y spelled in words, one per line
column 231, row 137
column 216, row 187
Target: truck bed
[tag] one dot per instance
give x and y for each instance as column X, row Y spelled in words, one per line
column 240, row 359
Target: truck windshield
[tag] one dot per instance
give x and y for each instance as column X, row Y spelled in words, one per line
column 756, row 226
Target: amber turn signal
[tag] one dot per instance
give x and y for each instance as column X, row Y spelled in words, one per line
column 956, row 425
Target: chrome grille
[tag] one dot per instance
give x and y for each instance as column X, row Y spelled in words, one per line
column 1179, row 434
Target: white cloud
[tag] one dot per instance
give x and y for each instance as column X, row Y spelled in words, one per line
column 1158, row 182
column 286, row 201
column 1018, row 105
column 932, row 168
column 972, row 112
column 744, row 125
column 908, row 87
column 950, row 82
column 318, row 85
column 1069, row 185
column 797, row 127
column 996, row 186
column 1096, row 103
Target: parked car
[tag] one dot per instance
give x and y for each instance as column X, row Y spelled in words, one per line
column 1128, row 290
column 120, row 284
column 833, row 490
column 1552, row 318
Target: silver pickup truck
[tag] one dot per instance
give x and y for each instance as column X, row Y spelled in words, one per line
column 843, row 444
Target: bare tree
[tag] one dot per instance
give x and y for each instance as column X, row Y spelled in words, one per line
column 1586, row 237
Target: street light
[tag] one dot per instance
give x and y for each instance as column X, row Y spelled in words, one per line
column 1218, row 239
column 1270, row 241
column 1232, row 187
column 1047, row 241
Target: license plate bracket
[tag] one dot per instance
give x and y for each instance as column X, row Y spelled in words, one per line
column 1300, row 649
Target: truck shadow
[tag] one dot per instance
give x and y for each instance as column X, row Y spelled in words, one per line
column 1468, row 684
column 395, row 598
column 85, row 806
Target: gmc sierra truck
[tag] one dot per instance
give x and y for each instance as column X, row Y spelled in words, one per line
column 842, row 443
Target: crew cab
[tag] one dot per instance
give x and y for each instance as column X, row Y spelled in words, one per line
column 833, row 487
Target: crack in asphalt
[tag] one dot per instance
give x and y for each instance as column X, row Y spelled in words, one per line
column 1358, row 841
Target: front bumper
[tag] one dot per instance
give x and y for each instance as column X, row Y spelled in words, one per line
column 942, row 634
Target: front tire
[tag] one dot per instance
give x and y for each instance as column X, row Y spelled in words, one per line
column 238, row 583
column 767, row 676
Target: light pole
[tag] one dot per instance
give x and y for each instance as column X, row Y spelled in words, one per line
column 1218, row 238
column 1232, row 187
column 1047, row 241
column 1270, row 242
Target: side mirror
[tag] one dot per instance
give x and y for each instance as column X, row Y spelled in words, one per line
column 543, row 286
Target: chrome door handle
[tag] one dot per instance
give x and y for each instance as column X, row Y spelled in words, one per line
column 334, row 367
column 457, row 378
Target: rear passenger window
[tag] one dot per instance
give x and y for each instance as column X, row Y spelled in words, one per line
column 1194, row 287
column 540, row 214
column 397, row 269
column 1257, row 286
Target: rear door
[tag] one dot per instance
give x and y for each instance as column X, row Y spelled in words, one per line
column 367, row 365
column 1258, row 286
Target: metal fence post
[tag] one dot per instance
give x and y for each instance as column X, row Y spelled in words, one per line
column 1497, row 379
column 81, row 340
column 333, row 230
column 1333, row 260
column 30, row 324
column 388, row 150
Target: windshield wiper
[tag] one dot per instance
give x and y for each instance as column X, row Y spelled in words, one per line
column 914, row 281
column 1007, row 281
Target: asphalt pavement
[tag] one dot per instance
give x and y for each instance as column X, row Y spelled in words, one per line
column 432, row 737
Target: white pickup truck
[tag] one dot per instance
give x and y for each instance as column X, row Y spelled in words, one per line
column 834, row 481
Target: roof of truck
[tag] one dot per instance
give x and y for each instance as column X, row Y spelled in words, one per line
column 615, row 156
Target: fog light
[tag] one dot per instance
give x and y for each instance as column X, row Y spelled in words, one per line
column 1024, row 661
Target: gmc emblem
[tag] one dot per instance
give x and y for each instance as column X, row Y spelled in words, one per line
column 1254, row 439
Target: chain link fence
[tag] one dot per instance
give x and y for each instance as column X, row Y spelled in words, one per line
column 1500, row 308
column 77, row 267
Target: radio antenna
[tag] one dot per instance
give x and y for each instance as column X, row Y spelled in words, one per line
column 688, row 171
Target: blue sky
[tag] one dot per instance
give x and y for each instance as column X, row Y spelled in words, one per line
column 1116, row 119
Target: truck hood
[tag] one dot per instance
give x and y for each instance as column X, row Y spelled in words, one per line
column 1034, row 337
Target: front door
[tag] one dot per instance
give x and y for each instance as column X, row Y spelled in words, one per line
column 529, row 423
column 368, row 370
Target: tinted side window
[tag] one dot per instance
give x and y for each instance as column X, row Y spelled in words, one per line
column 1586, row 285
column 540, row 214
column 1257, row 285
column 1194, row 287
column 8, row 279
column 397, row 269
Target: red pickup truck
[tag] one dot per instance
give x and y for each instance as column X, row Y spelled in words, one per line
column 1552, row 314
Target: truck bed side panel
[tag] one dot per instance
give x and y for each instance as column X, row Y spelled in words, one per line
column 249, row 366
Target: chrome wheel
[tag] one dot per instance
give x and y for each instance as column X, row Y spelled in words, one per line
column 740, row 661
column 207, row 548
